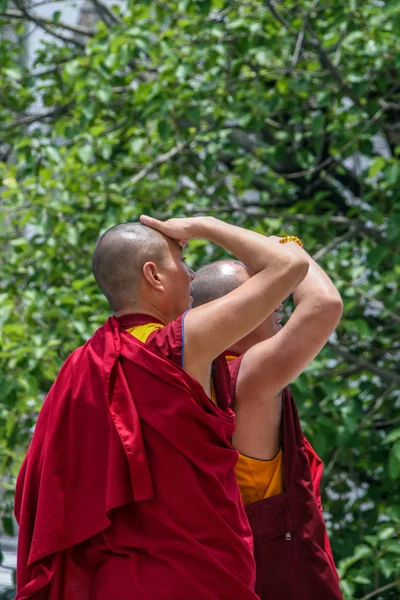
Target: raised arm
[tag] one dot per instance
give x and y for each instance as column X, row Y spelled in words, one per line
column 212, row 328
column 271, row 365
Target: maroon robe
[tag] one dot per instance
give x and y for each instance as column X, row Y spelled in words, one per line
column 293, row 556
column 128, row 488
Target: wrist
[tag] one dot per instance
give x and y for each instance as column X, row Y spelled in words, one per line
column 203, row 227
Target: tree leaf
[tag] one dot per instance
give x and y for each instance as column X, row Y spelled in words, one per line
column 85, row 153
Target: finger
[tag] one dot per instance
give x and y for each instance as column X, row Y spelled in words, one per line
column 151, row 222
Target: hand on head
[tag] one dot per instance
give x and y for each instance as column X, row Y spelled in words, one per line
column 180, row 229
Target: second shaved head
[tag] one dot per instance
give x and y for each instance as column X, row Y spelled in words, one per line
column 222, row 277
column 216, row 280
column 118, row 260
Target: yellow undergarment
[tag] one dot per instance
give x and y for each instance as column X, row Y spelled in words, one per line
column 259, row 479
column 142, row 332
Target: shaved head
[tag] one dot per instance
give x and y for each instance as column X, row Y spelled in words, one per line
column 118, row 260
column 216, row 280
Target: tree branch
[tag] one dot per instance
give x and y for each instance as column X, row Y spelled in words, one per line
column 376, row 303
column 333, row 244
column 285, row 168
column 103, row 9
column 297, row 49
column 39, row 22
column 364, row 364
column 338, row 372
column 388, row 423
column 257, row 210
column 161, row 158
column 28, row 119
column 315, row 45
column 14, row 209
column 300, row 38
column 338, row 220
column 328, row 64
column 387, row 104
column 363, row 421
column 332, row 159
column 277, row 15
column 385, row 588
column 19, row 14
column 376, row 406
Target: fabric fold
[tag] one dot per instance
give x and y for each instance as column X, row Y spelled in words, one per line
column 86, row 458
column 128, row 488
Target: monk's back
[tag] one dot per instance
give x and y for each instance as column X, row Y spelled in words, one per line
column 192, row 539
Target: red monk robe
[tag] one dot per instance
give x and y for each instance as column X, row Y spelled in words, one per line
column 294, row 559
column 128, row 488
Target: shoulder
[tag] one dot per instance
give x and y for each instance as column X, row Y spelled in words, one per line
column 168, row 340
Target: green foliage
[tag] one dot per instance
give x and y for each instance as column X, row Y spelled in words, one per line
column 276, row 117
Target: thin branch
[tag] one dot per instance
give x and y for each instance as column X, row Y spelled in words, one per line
column 376, row 303
column 315, row 45
column 28, row 119
column 122, row 89
column 277, row 15
column 261, row 210
column 333, row 244
column 31, row 17
column 387, row 104
column 19, row 14
column 338, row 372
column 162, row 158
column 364, row 364
column 376, row 406
column 287, row 168
column 300, row 38
column 381, row 424
column 328, row 64
column 332, row 462
column 46, row 71
column 363, row 421
column 299, row 44
column 258, row 210
column 384, row 588
column 103, row 9
column 332, row 159
column 55, row 67
column 14, row 209
column 36, row 4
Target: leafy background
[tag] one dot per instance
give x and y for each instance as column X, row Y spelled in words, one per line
column 278, row 116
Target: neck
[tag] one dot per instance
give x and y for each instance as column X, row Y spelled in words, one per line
column 142, row 309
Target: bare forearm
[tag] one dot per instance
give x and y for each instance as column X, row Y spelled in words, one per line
column 256, row 251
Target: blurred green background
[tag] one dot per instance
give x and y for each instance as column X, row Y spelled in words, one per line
column 281, row 117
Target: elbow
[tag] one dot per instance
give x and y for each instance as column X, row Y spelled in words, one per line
column 330, row 308
column 298, row 268
column 335, row 307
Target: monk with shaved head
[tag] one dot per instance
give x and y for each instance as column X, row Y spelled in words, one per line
column 128, row 489
column 278, row 471
column 125, row 260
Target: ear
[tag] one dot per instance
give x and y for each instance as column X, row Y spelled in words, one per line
column 152, row 276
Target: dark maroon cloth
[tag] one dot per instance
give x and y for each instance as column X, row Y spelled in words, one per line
column 128, row 488
column 293, row 556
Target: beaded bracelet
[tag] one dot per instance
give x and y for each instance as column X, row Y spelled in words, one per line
column 291, row 238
